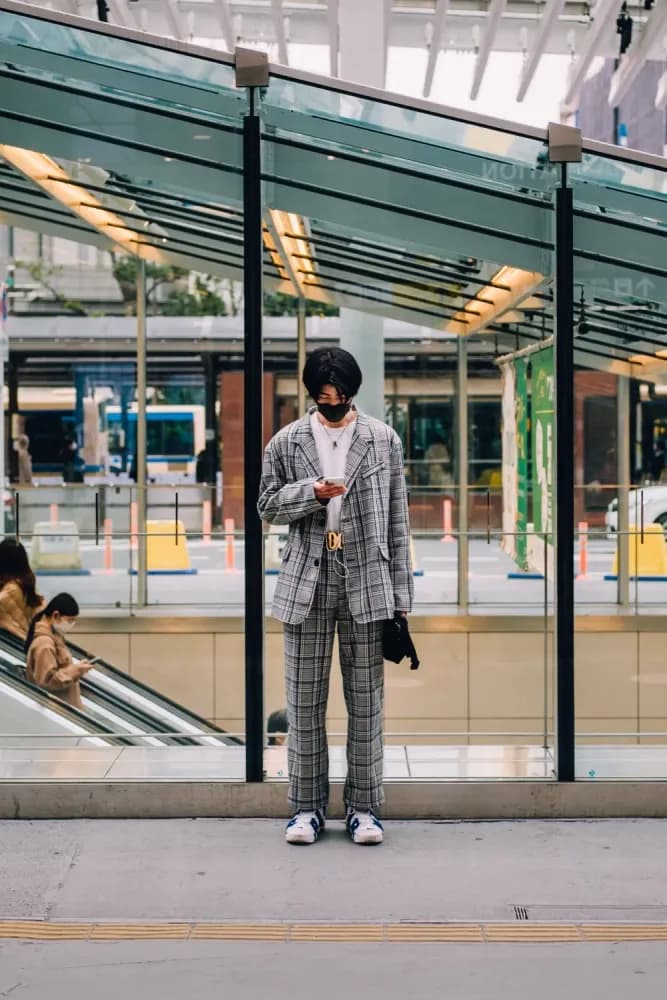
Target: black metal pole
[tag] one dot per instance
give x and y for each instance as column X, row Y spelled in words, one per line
column 253, row 442
column 13, row 391
column 210, row 362
column 564, row 490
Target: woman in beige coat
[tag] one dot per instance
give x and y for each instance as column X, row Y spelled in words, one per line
column 19, row 600
column 49, row 662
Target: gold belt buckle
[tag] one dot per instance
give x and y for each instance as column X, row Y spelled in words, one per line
column 334, row 540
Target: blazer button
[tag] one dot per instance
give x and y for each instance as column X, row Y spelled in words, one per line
column 317, row 562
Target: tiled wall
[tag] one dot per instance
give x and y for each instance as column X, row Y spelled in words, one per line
column 470, row 682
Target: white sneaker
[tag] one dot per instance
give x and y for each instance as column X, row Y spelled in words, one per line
column 304, row 827
column 364, row 827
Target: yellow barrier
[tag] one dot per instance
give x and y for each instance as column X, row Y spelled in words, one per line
column 648, row 557
column 166, row 547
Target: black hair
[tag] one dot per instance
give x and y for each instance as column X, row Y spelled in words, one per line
column 14, row 566
column 332, row 366
column 277, row 724
column 63, row 603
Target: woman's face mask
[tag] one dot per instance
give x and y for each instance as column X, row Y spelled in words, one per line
column 64, row 625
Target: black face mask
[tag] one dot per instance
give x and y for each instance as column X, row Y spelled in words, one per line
column 334, row 412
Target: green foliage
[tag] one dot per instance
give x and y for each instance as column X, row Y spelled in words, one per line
column 45, row 275
column 205, row 300
column 288, row 305
column 125, row 271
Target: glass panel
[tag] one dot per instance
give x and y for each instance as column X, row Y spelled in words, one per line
column 73, row 359
column 621, row 315
column 61, row 52
column 380, row 128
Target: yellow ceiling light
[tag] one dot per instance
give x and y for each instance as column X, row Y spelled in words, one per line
column 532, row 302
column 273, row 252
column 295, row 243
column 51, row 177
column 492, row 300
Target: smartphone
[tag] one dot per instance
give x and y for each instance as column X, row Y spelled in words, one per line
column 335, row 482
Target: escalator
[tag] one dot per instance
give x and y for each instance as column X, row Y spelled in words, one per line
column 119, row 704
column 29, row 714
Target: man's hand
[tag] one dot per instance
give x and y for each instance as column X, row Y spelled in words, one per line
column 324, row 492
column 403, row 614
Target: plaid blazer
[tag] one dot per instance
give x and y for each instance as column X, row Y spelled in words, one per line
column 374, row 520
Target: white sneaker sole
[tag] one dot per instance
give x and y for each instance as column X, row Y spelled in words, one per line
column 367, row 839
column 300, row 838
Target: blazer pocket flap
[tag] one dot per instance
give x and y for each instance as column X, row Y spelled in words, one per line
column 373, row 469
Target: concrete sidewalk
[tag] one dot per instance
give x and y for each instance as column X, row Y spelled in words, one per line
column 520, row 874
column 241, row 870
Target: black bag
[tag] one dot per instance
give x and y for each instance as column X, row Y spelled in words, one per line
column 397, row 641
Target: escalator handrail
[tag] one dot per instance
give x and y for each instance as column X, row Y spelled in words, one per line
column 60, row 707
column 150, row 692
column 89, row 687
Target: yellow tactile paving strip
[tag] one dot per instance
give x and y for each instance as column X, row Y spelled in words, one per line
column 408, row 933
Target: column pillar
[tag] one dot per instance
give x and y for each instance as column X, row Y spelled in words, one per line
column 252, row 72
column 359, row 61
column 142, row 588
column 623, row 477
column 5, row 259
column 462, row 470
column 362, row 334
column 212, row 464
column 565, row 146
column 12, row 414
column 300, row 358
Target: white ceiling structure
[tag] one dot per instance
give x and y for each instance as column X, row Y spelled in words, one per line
column 534, row 28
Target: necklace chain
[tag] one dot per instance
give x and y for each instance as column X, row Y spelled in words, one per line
column 335, row 433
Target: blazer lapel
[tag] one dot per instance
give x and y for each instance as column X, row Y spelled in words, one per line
column 305, row 442
column 361, row 439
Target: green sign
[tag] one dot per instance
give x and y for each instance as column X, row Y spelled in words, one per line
column 522, row 427
column 543, row 400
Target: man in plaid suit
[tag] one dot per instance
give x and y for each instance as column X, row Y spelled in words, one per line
column 336, row 478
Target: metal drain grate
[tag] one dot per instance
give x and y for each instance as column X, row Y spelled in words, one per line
column 521, row 913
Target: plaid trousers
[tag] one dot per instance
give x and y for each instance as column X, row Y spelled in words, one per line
column 308, row 649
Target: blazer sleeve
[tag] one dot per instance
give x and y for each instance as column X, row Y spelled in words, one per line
column 281, row 502
column 400, row 563
column 47, row 673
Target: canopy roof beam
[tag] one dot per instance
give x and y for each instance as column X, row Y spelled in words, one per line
column 494, row 17
column 226, row 23
column 435, row 45
column 334, row 36
column 279, row 29
column 550, row 16
column 603, row 19
column 174, row 19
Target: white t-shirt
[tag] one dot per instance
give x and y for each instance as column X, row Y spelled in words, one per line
column 333, row 444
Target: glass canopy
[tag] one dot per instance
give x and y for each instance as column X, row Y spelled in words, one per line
column 415, row 212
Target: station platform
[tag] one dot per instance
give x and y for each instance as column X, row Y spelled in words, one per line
column 456, row 909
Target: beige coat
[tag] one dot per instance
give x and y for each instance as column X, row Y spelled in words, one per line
column 15, row 612
column 50, row 665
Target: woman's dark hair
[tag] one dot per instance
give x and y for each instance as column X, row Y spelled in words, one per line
column 332, row 366
column 14, row 567
column 63, row 603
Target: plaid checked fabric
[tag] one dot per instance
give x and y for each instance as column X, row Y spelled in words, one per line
column 308, row 650
column 374, row 520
